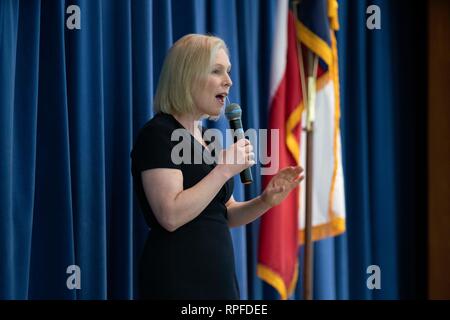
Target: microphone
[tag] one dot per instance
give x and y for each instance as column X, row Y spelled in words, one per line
column 233, row 113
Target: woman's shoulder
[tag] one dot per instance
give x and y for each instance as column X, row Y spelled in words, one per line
column 160, row 121
column 156, row 130
column 152, row 146
column 161, row 125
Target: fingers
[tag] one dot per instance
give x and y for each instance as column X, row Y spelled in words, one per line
column 287, row 173
column 298, row 174
column 241, row 153
column 296, row 169
column 249, row 155
column 299, row 169
column 293, row 173
column 251, row 158
column 243, row 142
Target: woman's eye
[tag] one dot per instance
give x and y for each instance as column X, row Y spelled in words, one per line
column 216, row 71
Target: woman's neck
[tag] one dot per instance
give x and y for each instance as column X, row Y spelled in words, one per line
column 190, row 122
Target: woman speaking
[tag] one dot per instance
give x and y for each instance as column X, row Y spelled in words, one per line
column 189, row 206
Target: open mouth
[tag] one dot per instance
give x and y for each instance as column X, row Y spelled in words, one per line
column 221, row 98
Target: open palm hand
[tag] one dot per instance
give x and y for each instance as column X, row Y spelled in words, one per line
column 281, row 184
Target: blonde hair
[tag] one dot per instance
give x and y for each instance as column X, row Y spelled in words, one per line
column 187, row 61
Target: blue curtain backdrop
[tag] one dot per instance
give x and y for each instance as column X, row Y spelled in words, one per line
column 71, row 102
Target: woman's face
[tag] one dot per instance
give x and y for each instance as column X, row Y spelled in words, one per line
column 209, row 95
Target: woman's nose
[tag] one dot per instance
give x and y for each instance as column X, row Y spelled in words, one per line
column 228, row 82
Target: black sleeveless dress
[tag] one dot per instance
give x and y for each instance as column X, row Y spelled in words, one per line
column 196, row 261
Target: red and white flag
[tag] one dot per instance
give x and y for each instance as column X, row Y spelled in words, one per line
column 282, row 227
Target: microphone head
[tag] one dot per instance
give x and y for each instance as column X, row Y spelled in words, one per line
column 233, row 111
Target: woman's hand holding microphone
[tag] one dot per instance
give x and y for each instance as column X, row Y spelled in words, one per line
column 236, row 158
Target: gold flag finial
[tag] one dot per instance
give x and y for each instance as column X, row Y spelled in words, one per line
column 333, row 14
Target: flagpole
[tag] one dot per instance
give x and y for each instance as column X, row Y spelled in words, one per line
column 309, row 93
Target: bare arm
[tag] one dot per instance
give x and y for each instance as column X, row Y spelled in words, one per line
column 286, row 180
column 241, row 213
column 173, row 206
